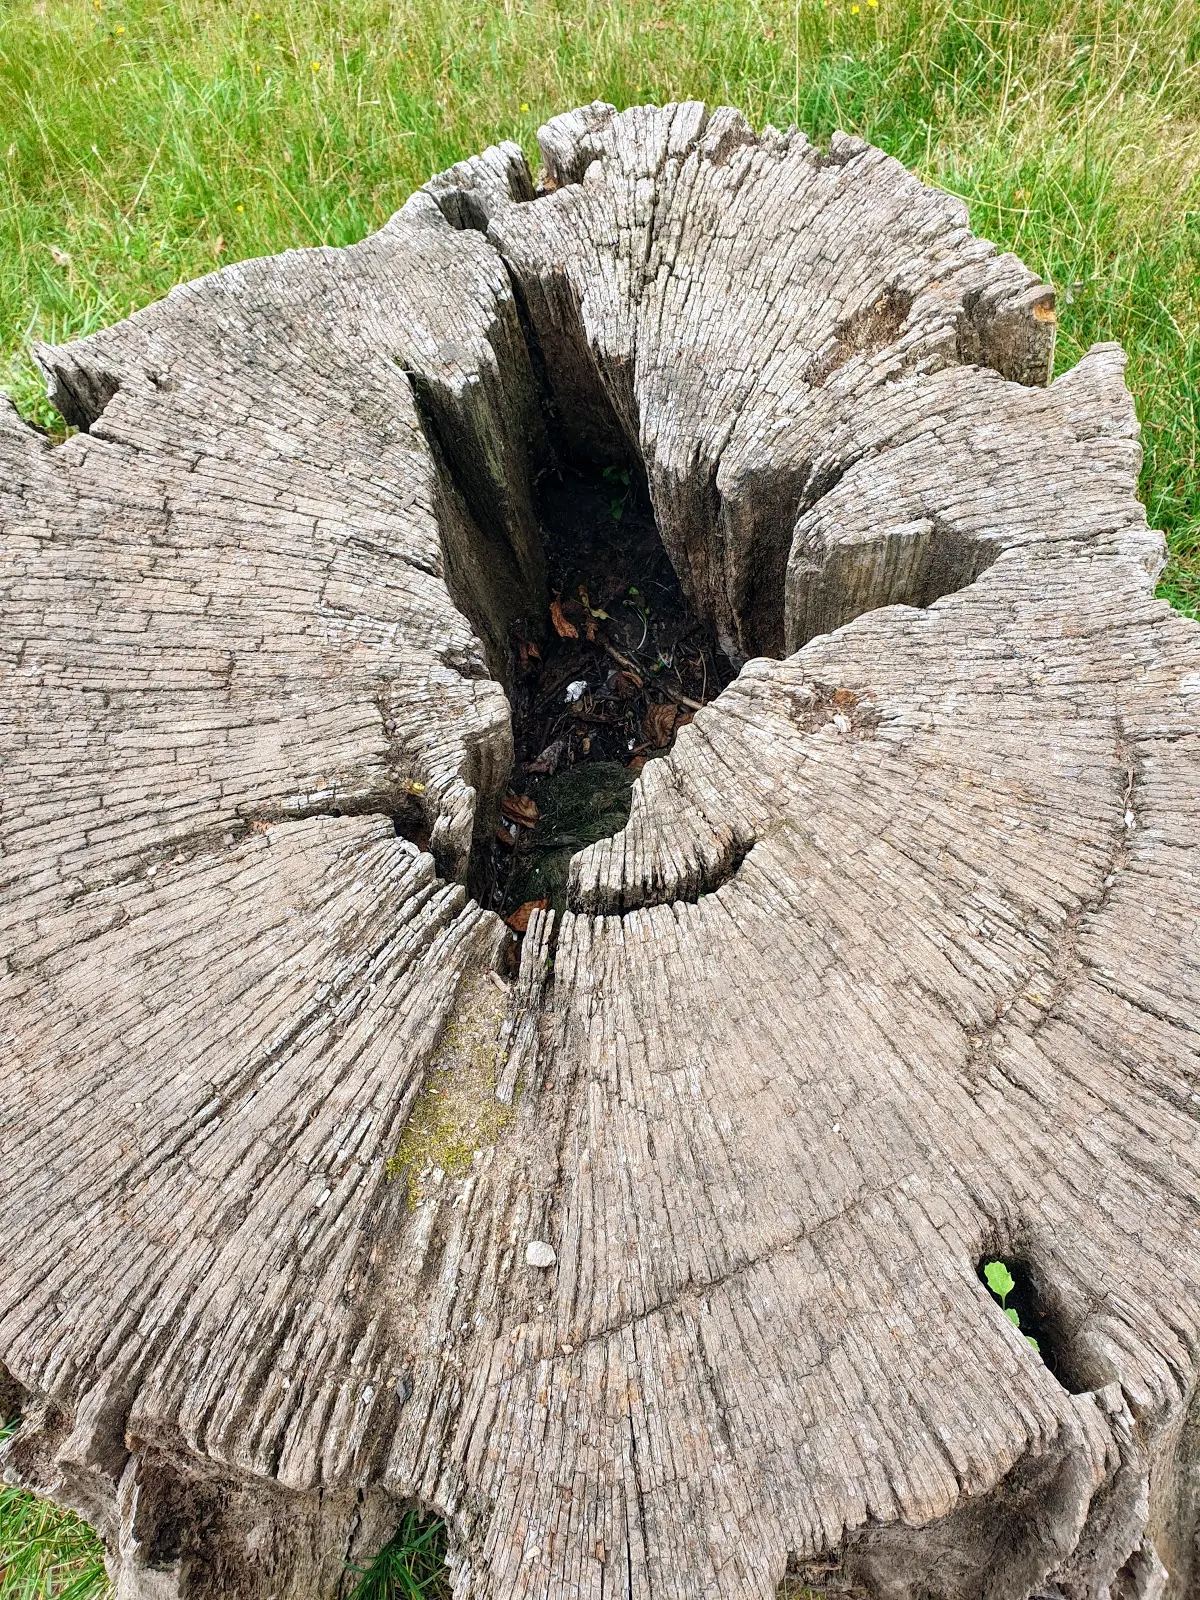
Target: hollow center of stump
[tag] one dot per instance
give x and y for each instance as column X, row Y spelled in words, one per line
column 600, row 685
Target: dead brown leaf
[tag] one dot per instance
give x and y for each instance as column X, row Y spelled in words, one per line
column 519, row 808
column 563, row 628
column 504, row 837
column 519, row 921
column 659, row 723
column 845, row 697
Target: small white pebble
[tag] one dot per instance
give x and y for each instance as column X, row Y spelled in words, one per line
column 576, row 690
column 540, row 1254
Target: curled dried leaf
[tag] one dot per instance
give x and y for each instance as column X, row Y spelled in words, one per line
column 563, row 628
column 658, row 725
column 519, row 808
column 519, row 921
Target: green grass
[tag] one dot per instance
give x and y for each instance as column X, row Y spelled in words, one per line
column 46, row 1552
column 149, row 140
column 146, row 141
column 50, row 1554
column 411, row 1566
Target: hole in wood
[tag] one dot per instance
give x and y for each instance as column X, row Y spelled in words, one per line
column 601, row 684
column 412, row 824
column 644, row 589
column 1015, row 1286
column 78, row 391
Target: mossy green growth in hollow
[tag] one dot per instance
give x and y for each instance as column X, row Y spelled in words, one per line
column 575, row 808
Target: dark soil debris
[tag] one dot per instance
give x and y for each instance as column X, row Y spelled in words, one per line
column 602, row 683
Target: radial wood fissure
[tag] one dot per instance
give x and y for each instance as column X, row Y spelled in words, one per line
column 889, row 972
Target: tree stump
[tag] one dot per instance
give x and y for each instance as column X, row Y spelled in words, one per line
column 892, row 972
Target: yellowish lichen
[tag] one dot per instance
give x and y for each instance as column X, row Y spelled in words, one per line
column 456, row 1113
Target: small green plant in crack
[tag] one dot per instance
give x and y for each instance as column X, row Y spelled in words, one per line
column 1002, row 1283
column 617, row 479
column 636, row 603
column 411, row 1566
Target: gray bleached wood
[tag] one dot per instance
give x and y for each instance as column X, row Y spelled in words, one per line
column 893, row 968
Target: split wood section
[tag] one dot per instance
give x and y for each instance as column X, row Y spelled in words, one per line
column 892, row 971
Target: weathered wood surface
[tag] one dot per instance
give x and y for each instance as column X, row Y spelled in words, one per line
column 894, row 967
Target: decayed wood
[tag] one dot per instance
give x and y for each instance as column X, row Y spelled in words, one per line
column 892, row 970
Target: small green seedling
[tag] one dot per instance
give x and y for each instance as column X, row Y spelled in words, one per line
column 618, row 480
column 1002, row 1283
column 638, row 605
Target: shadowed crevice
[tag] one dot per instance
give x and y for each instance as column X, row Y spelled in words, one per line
column 831, row 580
column 78, row 391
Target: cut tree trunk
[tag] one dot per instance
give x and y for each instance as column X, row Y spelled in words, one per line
column 893, row 971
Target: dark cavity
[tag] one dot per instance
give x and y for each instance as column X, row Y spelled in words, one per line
column 599, row 684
